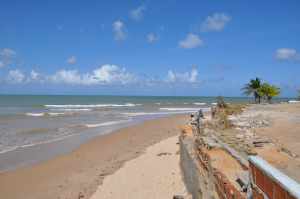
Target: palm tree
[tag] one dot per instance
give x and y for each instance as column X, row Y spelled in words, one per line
column 268, row 91
column 299, row 94
column 252, row 89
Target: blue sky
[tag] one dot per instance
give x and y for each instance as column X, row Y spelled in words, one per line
column 149, row 47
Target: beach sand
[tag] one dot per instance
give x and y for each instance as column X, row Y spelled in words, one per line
column 79, row 173
column 154, row 175
column 275, row 127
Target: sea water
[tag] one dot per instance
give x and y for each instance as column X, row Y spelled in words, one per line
column 45, row 126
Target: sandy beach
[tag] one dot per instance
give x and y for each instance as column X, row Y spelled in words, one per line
column 79, row 173
column 276, row 128
column 154, row 175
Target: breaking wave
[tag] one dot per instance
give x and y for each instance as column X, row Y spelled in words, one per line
column 105, row 123
column 200, row 103
column 89, row 105
column 180, row 109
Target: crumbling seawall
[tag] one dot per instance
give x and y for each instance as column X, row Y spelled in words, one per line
column 213, row 170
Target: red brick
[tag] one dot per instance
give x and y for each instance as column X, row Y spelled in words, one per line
column 279, row 192
column 268, row 187
column 259, row 176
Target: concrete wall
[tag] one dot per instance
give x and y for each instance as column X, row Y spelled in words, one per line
column 189, row 168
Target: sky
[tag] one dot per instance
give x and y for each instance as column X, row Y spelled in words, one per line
column 150, row 47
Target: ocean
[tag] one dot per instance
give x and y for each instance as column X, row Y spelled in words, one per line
column 45, row 126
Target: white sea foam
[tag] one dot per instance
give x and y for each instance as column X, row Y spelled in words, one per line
column 179, row 109
column 72, row 109
column 105, row 123
column 153, row 113
column 293, row 101
column 168, row 112
column 200, row 103
column 214, row 103
column 55, row 114
column 35, row 114
column 89, row 105
column 144, row 113
column 44, row 114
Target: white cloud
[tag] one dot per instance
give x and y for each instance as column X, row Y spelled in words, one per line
column 108, row 74
column 287, row 54
column 66, row 76
column 191, row 41
column 34, row 76
column 7, row 52
column 216, row 22
column 104, row 75
column 138, row 13
column 6, row 56
column 186, row 77
column 151, row 38
column 72, row 60
column 119, row 30
column 15, row 76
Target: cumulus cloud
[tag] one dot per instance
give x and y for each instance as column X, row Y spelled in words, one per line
column 191, row 41
column 16, row 76
column 215, row 22
column 151, row 38
column 138, row 13
column 66, row 76
column 287, row 54
column 6, row 56
column 106, row 74
column 72, row 60
column 34, row 75
column 119, row 30
column 186, row 77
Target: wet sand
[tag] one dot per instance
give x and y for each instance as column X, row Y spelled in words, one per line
column 79, row 173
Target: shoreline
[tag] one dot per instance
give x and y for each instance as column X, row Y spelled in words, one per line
column 22, row 156
column 81, row 171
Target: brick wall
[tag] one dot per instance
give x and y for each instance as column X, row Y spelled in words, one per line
column 206, row 181
column 264, row 185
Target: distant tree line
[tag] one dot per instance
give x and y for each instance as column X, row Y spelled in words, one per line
column 260, row 90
